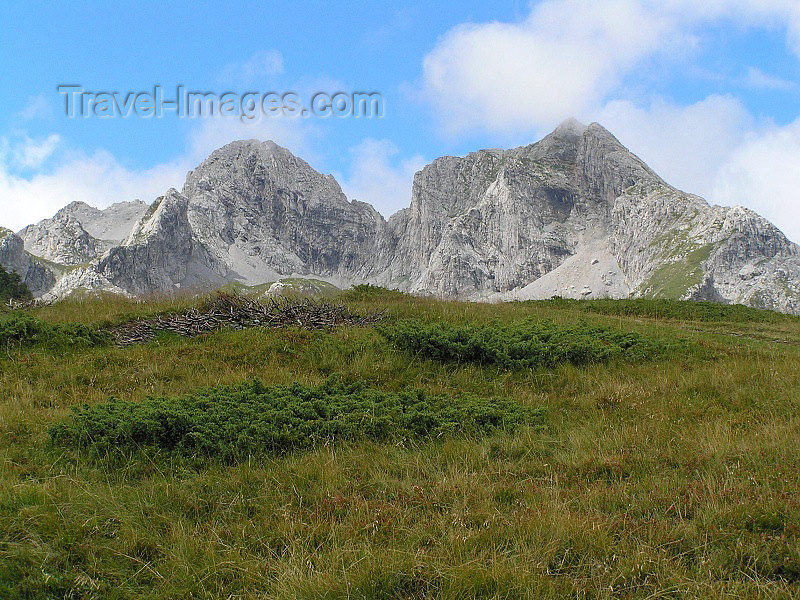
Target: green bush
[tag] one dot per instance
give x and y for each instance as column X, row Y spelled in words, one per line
column 19, row 328
column 520, row 345
column 234, row 422
column 369, row 292
column 13, row 288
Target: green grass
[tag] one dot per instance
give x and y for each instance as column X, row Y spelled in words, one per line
column 668, row 478
column 20, row 329
column 661, row 308
column 673, row 278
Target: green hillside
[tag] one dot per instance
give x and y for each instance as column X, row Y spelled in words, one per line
column 554, row 449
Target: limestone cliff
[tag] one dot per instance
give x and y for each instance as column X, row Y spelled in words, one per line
column 575, row 214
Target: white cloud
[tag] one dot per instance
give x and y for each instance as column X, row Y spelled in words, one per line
column 762, row 174
column 569, row 57
column 759, row 79
column 378, row 178
column 97, row 179
column 685, row 145
column 500, row 76
column 783, row 14
column 715, row 149
column 263, row 64
column 62, row 176
column 572, row 58
column 38, row 107
column 38, row 177
column 19, row 151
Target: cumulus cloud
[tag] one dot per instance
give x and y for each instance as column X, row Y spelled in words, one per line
column 39, row 176
column 577, row 58
column 569, row 57
column 685, row 145
column 377, row 177
column 97, row 179
column 500, row 76
column 714, row 148
column 762, row 174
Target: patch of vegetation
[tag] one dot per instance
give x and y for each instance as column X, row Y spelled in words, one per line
column 675, row 478
column 366, row 292
column 662, row 308
column 672, row 279
column 525, row 344
column 12, row 288
column 299, row 287
column 21, row 329
column 235, row 422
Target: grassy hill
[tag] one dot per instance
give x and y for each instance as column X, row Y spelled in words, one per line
column 554, row 449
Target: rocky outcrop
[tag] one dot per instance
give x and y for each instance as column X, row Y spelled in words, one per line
column 112, row 224
column 161, row 253
column 62, row 240
column 575, row 214
column 78, row 233
column 493, row 222
column 34, row 273
column 264, row 213
column 675, row 245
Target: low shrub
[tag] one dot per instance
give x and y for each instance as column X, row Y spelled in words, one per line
column 19, row 329
column 369, row 292
column 524, row 344
column 234, row 422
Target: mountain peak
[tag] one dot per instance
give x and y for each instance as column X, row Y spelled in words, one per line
column 570, row 127
column 575, row 214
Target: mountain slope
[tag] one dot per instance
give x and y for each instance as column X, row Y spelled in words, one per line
column 575, row 214
column 79, row 233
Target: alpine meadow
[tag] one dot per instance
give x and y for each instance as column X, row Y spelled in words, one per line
column 415, row 448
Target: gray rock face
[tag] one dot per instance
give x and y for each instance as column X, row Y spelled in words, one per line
column 262, row 213
column 13, row 257
column 79, row 233
column 161, row 253
column 675, row 245
column 62, row 240
column 575, row 214
column 112, row 224
column 495, row 221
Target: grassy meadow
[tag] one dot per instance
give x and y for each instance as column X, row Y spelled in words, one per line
column 629, row 449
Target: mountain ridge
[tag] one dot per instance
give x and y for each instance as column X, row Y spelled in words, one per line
column 575, row 214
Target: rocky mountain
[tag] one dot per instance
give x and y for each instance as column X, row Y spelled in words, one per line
column 575, row 215
column 36, row 274
column 79, row 233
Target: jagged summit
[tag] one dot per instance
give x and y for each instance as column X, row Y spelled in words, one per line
column 575, row 214
column 570, row 127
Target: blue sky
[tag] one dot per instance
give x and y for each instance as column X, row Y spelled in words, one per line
column 708, row 95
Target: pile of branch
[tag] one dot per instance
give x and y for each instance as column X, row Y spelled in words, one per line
column 234, row 311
